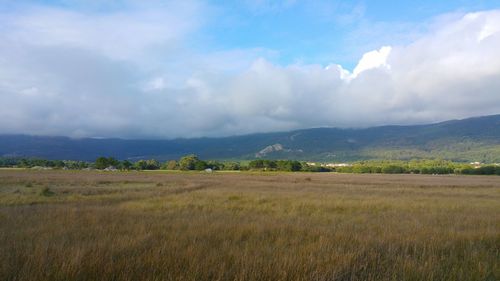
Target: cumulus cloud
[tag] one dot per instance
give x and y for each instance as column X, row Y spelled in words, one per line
column 373, row 59
column 130, row 73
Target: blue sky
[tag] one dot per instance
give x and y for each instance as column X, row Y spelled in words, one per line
column 322, row 31
column 297, row 31
column 188, row 68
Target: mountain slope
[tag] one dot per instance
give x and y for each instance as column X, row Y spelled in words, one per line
column 473, row 139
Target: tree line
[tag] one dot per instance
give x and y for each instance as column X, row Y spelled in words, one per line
column 193, row 163
column 43, row 163
column 434, row 167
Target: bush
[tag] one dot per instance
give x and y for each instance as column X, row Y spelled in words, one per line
column 171, row 165
column 232, row 166
column 486, row 170
column 46, row 191
column 392, row 169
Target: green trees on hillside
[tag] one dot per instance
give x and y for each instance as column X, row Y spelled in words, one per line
column 485, row 170
column 193, row 163
column 275, row 165
column 36, row 162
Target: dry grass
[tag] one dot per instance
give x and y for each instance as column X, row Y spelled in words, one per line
column 60, row 225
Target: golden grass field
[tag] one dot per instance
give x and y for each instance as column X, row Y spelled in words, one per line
column 87, row 225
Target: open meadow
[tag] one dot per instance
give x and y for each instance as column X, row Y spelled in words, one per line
column 89, row 225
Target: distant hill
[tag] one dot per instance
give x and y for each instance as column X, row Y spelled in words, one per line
column 473, row 139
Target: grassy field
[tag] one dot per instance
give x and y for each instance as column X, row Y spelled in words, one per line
column 63, row 225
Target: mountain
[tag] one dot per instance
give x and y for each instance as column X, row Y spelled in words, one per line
column 472, row 139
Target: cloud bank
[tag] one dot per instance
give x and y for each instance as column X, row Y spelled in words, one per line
column 131, row 73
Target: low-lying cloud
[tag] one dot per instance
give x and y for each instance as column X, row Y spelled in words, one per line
column 129, row 73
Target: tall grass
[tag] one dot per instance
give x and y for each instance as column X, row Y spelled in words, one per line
column 189, row 226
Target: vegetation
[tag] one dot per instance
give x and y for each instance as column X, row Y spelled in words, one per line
column 435, row 167
column 103, row 163
column 193, row 163
column 87, row 225
column 35, row 162
column 170, row 165
column 276, row 165
column 150, row 164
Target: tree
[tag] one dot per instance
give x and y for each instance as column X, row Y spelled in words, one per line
column 58, row 164
column 188, row 162
column 392, row 169
column 103, row 162
column 288, row 165
column 232, row 166
column 171, row 165
column 215, row 165
column 200, row 165
column 152, row 164
column 126, row 165
column 256, row 164
column 270, row 164
column 140, row 165
column 295, row 166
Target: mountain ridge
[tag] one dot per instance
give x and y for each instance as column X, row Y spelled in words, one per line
column 470, row 139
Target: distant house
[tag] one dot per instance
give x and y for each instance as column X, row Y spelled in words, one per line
column 476, row 164
column 333, row 165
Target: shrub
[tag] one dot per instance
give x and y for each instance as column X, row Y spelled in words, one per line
column 46, row 191
column 392, row 169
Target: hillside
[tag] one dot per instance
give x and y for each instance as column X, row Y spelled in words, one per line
column 473, row 139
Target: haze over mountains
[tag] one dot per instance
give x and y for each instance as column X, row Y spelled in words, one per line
column 473, row 139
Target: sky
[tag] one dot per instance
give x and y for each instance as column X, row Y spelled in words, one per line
column 193, row 68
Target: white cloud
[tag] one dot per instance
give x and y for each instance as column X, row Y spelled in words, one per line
column 129, row 73
column 122, row 34
column 156, row 84
column 373, row 59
